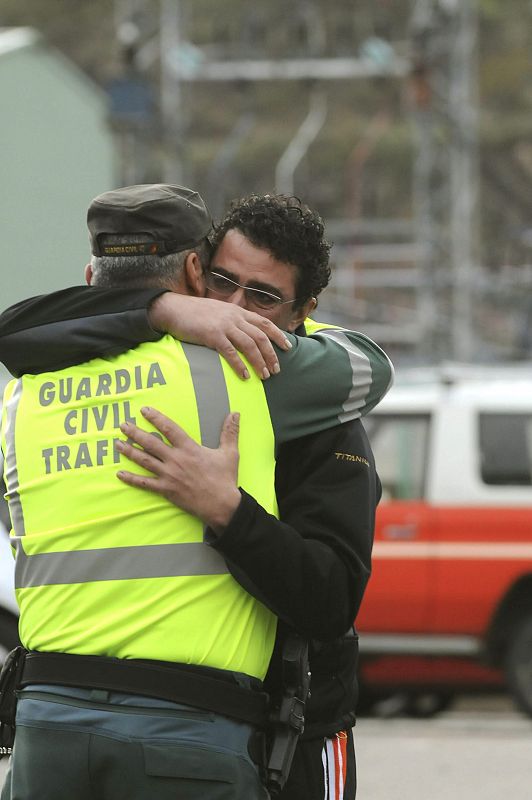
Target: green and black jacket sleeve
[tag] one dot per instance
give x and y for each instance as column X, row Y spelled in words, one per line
column 73, row 325
column 312, row 567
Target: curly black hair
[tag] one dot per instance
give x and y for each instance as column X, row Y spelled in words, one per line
column 291, row 232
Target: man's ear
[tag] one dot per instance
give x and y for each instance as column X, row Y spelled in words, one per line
column 300, row 314
column 193, row 274
column 88, row 274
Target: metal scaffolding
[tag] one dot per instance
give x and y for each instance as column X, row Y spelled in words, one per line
column 444, row 95
column 440, row 71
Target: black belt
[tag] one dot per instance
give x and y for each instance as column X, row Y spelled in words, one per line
column 163, row 680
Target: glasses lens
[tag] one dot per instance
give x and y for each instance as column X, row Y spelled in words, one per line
column 220, row 284
column 262, row 299
column 226, row 287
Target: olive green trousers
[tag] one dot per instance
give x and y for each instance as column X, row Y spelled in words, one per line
column 82, row 745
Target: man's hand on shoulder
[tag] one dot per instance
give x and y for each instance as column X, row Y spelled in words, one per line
column 224, row 327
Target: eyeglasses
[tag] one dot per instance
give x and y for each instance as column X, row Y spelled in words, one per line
column 220, row 284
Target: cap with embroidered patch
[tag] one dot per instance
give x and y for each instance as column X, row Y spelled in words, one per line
column 172, row 218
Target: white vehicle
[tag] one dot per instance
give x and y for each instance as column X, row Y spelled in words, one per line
column 7, row 589
column 8, row 603
column 451, row 587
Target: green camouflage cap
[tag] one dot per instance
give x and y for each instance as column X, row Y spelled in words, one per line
column 172, row 218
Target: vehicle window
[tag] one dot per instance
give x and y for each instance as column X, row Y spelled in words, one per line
column 399, row 443
column 506, row 449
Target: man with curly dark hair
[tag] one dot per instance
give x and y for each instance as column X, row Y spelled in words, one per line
column 276, row 243
column 288, row 229
column 311, row 566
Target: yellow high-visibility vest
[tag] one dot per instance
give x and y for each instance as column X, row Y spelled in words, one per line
column 105, row 569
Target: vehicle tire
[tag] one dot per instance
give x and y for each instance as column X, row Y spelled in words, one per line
column 8, row 633
column 518, row 666
column 366, row 700
column 423, row 705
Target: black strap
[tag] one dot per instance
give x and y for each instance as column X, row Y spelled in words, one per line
column 158, row 679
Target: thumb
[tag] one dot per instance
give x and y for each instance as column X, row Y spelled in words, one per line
column 230, row 429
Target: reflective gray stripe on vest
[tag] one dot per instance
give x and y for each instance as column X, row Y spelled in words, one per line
column 210, row 388
column 212, row 400
column 362, row 372
column 11, row 469
column 116, row 563
column 144, row 561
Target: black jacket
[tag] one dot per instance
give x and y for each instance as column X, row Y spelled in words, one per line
column 312, row 567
